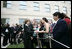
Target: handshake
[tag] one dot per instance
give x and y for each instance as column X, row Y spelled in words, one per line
column 37, row 31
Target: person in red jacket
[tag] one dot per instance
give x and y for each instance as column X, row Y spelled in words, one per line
column 68, row 21
column 66, row 18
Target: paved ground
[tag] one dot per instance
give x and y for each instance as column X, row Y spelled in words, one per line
column 2, row 42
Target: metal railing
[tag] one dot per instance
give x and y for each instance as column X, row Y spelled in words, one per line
column 57, row 42
column 50, row 44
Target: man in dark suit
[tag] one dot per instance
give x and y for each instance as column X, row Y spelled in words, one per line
column 13, row 34
column 28, row 32
column 6, row 33
column 60, row 31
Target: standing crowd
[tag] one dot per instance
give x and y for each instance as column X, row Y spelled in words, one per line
column 33, row 31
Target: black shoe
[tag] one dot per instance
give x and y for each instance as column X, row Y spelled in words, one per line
column 4, row 45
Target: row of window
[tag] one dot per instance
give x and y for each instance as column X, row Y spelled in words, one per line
column 21, row 20
column 36, row 6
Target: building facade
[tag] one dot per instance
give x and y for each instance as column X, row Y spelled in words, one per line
column 13, row 12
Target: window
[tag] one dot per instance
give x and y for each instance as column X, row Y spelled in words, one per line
column 56, row 8
column 7, row 4
column 68, row 2
column 4, row 3
column 38, row 20
column 21, row 21
column 7, row 20
column 47, row 7
column 23, row 5
column 36, row 6
column 65, row 10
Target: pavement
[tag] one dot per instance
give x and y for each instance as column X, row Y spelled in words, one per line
column 2, row 42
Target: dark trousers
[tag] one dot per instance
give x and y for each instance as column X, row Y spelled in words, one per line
column 45, row 42
column 6, row 37
column 34, row 41
column 5, row 40
column 9, row 37
column 13, row 38
column 28, row 43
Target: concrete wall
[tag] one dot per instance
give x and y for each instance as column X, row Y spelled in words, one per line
column 14, row 13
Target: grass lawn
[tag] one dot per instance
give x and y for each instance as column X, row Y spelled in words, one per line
column 19, row 46
column 16, row 46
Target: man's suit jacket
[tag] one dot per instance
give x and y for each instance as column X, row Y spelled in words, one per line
column 60, row 33
column 28, row 32
column 6, row 33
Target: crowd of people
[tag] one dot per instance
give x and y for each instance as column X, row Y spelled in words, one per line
column 11, row 34
column 34, row 31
